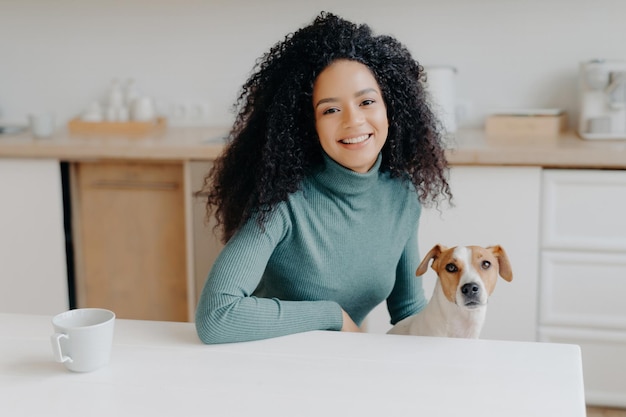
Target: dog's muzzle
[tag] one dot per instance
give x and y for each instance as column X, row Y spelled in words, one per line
column 471, row 295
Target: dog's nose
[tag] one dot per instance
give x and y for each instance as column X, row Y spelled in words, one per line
column 470, row 289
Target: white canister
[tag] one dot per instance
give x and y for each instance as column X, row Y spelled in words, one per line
column 143, row 110
column 441, row 86
column 41, row 124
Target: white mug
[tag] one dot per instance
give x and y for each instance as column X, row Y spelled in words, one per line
column 41, row 125
column 83, row 338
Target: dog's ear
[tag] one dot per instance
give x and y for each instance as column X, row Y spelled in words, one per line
column 432, row 254
column 504, row 265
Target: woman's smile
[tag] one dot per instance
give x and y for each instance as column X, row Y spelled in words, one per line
column 356, row 140
column 350, row 114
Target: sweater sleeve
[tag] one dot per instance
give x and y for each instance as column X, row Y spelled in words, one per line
column 228, row 312
column 407, row 297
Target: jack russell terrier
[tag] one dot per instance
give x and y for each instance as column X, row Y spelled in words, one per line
column 467, row 277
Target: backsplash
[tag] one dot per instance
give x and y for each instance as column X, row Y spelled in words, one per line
column 57, row 56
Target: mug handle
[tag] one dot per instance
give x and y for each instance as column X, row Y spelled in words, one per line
column 55, row 339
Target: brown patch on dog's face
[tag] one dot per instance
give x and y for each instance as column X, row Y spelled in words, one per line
column 486, row 265
column 450, row 270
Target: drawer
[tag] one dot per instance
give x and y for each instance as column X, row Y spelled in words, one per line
column 583, row 289
column 584, row 209
column 131, row 176
column 604, row 362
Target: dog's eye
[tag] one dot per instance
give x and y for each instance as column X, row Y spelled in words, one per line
column 486, row 265
column 451, row 268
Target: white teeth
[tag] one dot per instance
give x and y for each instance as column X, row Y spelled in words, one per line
column 358, row 139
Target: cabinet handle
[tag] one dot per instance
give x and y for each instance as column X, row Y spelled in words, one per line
column 127, row 185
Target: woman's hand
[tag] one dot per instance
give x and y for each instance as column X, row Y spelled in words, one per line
column 348, row 324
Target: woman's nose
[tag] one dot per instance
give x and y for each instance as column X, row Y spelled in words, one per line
column 353, row 117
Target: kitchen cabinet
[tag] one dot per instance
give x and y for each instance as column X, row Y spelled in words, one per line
column 131, row 238
column 33, row 274
column 206, row 242
column 492, row 205
column 583, row 271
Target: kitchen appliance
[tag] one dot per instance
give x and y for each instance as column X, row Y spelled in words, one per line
column 441, row 87
column 602, row 85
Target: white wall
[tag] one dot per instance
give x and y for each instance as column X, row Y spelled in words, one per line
column 60, row 55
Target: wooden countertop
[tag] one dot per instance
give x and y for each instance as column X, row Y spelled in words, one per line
column 177, row 144
column 467, row 147
column 473, row 147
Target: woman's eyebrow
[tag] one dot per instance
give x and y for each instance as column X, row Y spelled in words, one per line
column 365, row 91
column 357, row 94
column 326, row 100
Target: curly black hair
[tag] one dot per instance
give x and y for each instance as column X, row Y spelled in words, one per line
column 273, row 143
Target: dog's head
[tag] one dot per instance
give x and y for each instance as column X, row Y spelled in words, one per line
column 468, row 274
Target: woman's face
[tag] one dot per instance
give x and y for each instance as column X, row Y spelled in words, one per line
column 350, row 114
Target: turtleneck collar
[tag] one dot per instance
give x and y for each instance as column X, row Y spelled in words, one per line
column 342, row 180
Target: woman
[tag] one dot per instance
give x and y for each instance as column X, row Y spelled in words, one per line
column 318, row 191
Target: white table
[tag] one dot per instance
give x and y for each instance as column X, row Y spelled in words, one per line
column 162, row 369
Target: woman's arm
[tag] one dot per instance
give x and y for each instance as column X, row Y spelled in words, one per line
column 227, row 311
column 407, row 297
column 348, row 324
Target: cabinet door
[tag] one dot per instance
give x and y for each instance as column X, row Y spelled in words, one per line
column 131, row 236
column 583, row 289
column 582, row 274
column 33, row 273
column 584, row 209
column 492, row 205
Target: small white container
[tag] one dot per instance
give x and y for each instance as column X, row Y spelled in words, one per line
column 41, row 124
column 110, row 115
column 123, row 115
column 143, row 110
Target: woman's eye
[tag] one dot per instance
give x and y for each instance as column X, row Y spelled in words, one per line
column 485, row 265
column 367, row 102
column 451, row 268
column 331, row 110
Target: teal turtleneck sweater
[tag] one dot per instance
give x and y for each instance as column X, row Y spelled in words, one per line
column 345, row 240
